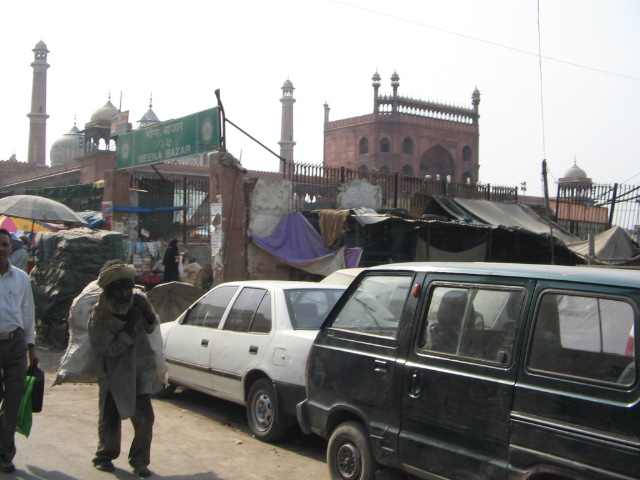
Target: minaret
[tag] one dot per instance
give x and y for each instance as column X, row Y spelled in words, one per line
column 37, row 153
column 286, row 133
column 475, row 100
column 395, row 83
column 375, row 82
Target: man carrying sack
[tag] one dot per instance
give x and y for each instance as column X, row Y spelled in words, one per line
column 124, row 361
column 17, row 337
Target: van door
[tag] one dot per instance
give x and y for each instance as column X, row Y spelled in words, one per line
column 354, row 357
column 459, row 377
column 577, row 399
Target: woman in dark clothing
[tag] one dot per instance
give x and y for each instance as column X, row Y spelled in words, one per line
column 170, row 262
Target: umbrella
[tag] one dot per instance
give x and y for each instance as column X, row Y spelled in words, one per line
column 169, row 300
column 33, row 207
column 16, row 224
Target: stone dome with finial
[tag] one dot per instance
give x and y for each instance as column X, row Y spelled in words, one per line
column 149, row 118
column 41, row 46
column 575, row 174
column 67, row 148
column 105, row 113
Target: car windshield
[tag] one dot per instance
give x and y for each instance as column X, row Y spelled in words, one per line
column 309, row 307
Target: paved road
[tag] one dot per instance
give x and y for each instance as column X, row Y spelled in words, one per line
column 196, row 437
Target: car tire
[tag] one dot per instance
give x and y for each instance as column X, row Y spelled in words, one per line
column 349, row 454
column 263, row 415
column 167, row 390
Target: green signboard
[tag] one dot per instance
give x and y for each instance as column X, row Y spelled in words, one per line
column 170, row 140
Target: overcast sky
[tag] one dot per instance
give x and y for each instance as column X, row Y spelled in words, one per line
column 587, row 83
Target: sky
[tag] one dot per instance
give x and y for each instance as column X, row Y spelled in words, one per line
column 575, row 102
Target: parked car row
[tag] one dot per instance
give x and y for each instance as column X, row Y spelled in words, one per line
column 440, row 370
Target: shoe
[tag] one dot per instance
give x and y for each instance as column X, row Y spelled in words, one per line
column 104, row 466
column 142, row 472
column 7, row 467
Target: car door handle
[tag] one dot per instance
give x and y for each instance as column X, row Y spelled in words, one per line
column 253, row 349
column 204, row 342
column 415, row 384
column 380, row 366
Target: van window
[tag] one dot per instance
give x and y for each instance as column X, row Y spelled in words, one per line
column 473, row 322
column 585, row 337
column 375, row 307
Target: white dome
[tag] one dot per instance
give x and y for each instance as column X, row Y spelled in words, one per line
column 575, row 172
column 67, row 148
column 105, row 113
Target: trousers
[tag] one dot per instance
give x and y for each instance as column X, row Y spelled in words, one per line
column 13, row 369
column 110, row 432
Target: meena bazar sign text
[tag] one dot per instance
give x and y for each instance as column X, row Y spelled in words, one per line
column 170, row 140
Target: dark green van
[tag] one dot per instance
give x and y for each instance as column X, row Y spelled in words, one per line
column 480, row 371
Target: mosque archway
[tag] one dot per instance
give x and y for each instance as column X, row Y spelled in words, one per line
column 437, row 161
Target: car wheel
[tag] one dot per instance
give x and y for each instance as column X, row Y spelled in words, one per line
column 349, row 454
column 263, row 415
column 167, row 390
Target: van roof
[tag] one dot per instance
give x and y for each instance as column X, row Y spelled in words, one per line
column 584, row 274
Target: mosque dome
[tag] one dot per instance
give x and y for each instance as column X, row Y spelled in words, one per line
column 41, row 46
column 575, row 172
column 67, row 148
column 287, row 84
column 148, row 119
column 105, row 113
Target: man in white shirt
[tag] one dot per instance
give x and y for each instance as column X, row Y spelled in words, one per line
column 17, row 339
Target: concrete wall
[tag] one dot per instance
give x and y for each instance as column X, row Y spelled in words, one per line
column 359, row 193
column 269, row 201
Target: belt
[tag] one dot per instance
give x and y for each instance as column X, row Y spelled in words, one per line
column 9, row 335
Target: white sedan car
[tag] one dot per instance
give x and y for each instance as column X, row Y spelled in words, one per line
column 247, row 342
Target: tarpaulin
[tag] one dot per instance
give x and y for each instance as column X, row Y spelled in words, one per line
column 297, row 243
column 512, row 215
column 93, row 219
column 613, row 246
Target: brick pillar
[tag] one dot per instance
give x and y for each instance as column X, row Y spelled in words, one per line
column 228, row 223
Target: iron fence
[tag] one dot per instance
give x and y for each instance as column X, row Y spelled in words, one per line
column 317, row 186
column 173, row 206
column 585, row 208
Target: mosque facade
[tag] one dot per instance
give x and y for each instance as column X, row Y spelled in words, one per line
column 412, row 137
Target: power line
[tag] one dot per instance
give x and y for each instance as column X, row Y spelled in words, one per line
column 487, row 42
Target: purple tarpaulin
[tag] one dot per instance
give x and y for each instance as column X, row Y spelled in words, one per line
column 298, row 244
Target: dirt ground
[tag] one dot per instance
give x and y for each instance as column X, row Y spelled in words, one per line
column 196, row 437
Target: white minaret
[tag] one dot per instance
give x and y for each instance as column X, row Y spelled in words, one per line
column 286, row 133
column 37, row 154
